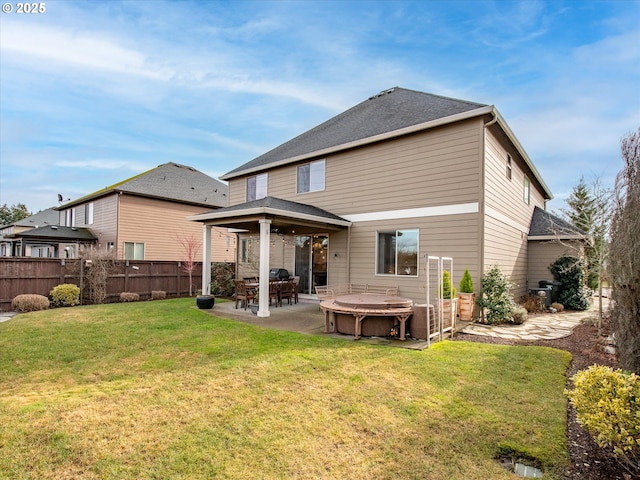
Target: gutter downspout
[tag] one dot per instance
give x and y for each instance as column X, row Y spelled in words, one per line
column 482, row 202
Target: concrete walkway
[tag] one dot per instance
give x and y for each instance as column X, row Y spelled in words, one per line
column 4, row 316
column 547, row 326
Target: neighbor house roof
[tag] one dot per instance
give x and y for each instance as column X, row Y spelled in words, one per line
column 44, row 217
column 546, row 226
column 169, row 181
column 59, row 233
column 391, row 113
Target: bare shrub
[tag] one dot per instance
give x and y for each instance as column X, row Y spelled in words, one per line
column 558, row 306
column 29, row 302
column 129, row 297
column 97, row 265
column 158, row 295
column 532, row 303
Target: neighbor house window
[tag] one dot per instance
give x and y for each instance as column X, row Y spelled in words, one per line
column 397, row 253
column 133, row 251
column 527, row 190
column 311, row 177
column 70, row 217
column 88, row 213
column 245, row 250
column 256, row 187
column 509, row 167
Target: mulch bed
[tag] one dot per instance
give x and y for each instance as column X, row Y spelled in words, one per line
column 588, row 461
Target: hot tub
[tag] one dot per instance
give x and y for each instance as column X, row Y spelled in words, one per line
column 366, row 314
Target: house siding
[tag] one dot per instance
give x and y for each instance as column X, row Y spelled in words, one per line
column 159, row 223
column 544, row 253
column 506, row 215
column 437, row 167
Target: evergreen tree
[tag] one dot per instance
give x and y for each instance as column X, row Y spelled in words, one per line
column 589, row 210
column 12, row 214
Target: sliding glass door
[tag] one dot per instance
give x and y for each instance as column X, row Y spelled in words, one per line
column 311, row 261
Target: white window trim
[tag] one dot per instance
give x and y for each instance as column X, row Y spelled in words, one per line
column 319, row 184
column 377, row 238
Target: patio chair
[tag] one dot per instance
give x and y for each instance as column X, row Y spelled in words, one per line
column 274, row 291
column 286, row 291
column 296, row 285
column 243, row 293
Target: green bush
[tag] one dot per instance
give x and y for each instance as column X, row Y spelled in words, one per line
column 496, row 300
column 466, row 283
column 29, row 303
column 447, row 291
column 65, row 295
column 607, row 404
column 222, row 276
column 570, row 272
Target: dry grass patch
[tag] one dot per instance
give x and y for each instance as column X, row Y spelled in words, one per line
column 162, row 390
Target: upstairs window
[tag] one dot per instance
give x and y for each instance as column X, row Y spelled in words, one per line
column 509, row 167
column 311, row 177
column 70, row 217
column 256, row 187
column 397, row 253
column 88, row 213
column 527, row 190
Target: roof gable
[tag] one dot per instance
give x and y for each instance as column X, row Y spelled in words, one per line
column 169, row 181
column 388, row 111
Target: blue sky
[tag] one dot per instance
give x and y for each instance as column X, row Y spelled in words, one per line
column 93, row 92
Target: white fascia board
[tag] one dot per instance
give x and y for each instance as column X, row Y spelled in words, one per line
column 454, row 209
column 365, row 141
column 547, row 238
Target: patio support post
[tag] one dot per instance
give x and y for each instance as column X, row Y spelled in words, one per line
column 265, row 243
column 206, row 259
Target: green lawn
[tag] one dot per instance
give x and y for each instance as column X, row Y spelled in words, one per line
column 162, row 390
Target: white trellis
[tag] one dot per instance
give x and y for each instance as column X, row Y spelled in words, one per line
column 441, row 312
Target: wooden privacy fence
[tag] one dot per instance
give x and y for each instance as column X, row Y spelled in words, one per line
column 40, row 275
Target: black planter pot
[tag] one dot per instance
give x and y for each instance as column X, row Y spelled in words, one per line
column 205, row 301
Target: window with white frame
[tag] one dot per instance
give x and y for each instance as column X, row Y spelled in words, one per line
column 70, row 217
column 256, row 187
column 245, row 250
column 311, row 177
column 509, row 167
column 397, row 253
column 133, row 251
column 527, row 190
column 88, row 213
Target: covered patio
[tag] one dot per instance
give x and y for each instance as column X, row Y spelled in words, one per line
column 266, row 217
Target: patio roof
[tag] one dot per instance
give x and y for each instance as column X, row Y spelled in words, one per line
column 285, row 216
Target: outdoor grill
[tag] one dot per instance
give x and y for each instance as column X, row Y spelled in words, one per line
column 278, row 274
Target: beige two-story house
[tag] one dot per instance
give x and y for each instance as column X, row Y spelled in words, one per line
column 145, row 217
column 367, row 195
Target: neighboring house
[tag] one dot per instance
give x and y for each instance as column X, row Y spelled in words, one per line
column 145, row 217
column 40, row 236
column 367, row 195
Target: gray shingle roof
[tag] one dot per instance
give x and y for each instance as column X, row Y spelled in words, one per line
column 545, row 224
column 59, row 233
column 170, row 181
column 388, row 111
column 280, row 204
column 43, row 217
